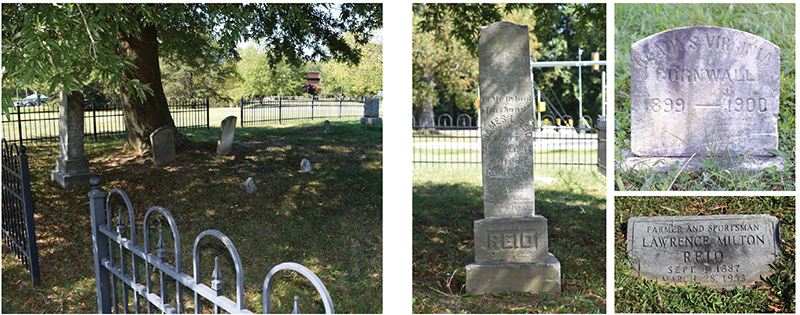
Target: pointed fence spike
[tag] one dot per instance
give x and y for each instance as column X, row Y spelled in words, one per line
column 296, row 308
column 120, row 224
column 216, row 284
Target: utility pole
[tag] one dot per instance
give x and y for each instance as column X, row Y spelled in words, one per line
column 580, row 93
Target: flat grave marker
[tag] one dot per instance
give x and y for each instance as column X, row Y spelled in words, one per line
column 719, row 251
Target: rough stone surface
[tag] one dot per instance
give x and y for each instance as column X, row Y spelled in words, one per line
column 506, row 121
column 226, row 131
column 371, row 107
column 163, row 145
column 371, row 121
column 72, row 166
column 511, row 240
column 327, row 126
column 540, row 276
column 721, row 251
column 305, row 165
column 250, row 186
column 705, row 90
column 749, row 164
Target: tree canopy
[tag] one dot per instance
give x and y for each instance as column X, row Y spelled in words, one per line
column 445, row 52
column 63, row 46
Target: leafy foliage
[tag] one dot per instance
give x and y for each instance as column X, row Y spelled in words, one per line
column 366, row 78
column 259, row 77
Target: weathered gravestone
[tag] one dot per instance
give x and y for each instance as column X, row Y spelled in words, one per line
column 226, row 131
column 511, row 251
column 250, row 186
column 327, row 126
column 72, row 166
column 371, row 112
column 720, row 251
column 162, row 143
column 707, row 91
column 305, row 165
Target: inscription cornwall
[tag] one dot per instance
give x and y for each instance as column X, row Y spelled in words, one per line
column 722, row 251
column 704, row 90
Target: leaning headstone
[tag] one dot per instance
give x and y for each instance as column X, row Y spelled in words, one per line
column 226, row 131
column 705, row 91
column 162, row 143
column 72, row 166
column 250, row 186
column 327, row 126
column 305, row 165
column 511, row 250
column 719, row 251
column 371, row 112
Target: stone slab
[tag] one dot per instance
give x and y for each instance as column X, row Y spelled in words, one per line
column 371, row 107
column 748, row 164
column 305, row 165
column 541, row 276
column 227, row 130
column 250, row 186
column 506, row 98
column 719, row 251
column 162, row 142
column 72, row 166
column 371, row 121
column 705, row 90
column 511, row 240
column 326, row 127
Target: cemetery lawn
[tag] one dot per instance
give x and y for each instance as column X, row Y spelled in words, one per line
column 446, row 201
column 776, row 294
column 773, row 22
column 329, row 220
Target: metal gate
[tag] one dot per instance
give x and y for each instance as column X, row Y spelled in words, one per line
column 127, row 273
column 19, row 230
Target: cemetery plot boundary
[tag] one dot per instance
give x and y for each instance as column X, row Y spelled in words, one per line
column 19, row 230
column 277, row 109
column 41, row 123
column 127, row 273
column 457, row 142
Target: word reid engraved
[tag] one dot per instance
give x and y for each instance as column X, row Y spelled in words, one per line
column 501, row 240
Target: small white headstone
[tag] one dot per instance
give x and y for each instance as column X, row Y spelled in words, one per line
column 327, row 126
column 305, row 165
column 249, row 185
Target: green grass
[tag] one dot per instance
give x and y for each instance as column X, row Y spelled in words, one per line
column 329, row 220
column 773, row 22
column 446, row 201
column 636, row 295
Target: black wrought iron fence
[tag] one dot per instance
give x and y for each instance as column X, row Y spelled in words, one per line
column 458, row 142
column 19, row 230
column 277, row 109
column 41, row 123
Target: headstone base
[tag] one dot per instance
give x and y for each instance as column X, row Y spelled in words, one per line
column 540, row 276
column 371, row 121
column 67, row 181
column 749, row 164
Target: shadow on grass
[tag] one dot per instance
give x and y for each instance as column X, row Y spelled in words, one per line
column 443, row 237
column 329, row 220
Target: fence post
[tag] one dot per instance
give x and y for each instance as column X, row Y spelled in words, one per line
column 242, row 107
column 99, row 247
column 312, row 108
column 30, row 226
column 208, row 116
column 94, row 119
column 280, row 110
column 340, row 107
column 19, row 122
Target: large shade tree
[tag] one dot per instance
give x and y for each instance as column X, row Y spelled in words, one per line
column 60, row 45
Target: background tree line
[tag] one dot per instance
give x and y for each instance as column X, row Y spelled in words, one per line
column 445, row 61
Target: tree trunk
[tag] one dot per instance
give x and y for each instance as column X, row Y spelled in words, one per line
column 142, row 117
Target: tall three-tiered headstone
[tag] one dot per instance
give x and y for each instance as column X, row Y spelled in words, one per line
column 511, row 251
column 704, row 91
column 72, row 166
